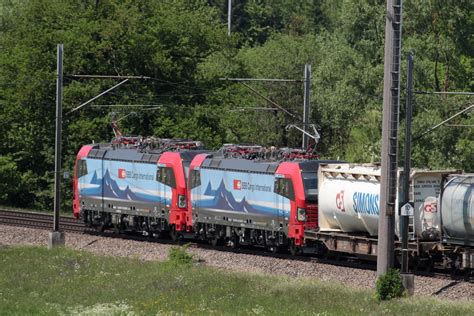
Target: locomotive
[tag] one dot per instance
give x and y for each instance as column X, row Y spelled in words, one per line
column 134, row 185
column 252, row 199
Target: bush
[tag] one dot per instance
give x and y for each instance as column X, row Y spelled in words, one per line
column 389, row 286
column 179, row 256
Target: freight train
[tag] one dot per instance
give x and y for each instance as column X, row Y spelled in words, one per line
column 271, row 198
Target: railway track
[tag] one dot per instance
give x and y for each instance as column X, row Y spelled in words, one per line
column 38, row 220
column 69, row 224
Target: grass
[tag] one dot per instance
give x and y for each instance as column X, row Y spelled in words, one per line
column 34, row 280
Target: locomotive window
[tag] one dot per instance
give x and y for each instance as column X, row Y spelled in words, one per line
column 310, row 183
column 194, row 179
column 186, row 169
column 81, row 168
column 165, row 175
column 284, row 187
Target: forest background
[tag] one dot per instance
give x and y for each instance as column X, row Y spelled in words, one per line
column 184, row 47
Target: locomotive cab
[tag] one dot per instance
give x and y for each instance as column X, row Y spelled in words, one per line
column 80, row 169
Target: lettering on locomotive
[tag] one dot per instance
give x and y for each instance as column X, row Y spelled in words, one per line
column 247, row 186
column 123, row 174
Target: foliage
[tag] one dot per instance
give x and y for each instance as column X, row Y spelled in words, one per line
column 183, row 46
column 38, row 281
column 389, row 286
column 9, row 179
column 179, row 256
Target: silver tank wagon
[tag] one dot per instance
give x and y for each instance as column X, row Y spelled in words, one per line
column 457, row 210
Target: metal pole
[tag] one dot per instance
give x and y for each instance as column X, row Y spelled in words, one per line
column 407, row 278
column 306, row 103
column 407, row 167
column 229, row 12
column 391, row 100
column 57, row 154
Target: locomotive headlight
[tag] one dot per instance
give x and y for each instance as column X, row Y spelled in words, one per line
column 301, row 214
column 181, row 201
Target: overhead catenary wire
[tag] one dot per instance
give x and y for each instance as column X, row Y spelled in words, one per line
column 443, row 122
column 262, row 79
column 270, row 101
column 97, row 96
column 147, row 78
column 107, row 77
column 253, row 109
column 126, row 105
column 445, row 92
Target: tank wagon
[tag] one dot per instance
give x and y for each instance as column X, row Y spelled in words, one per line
column 457, row 220
column 349, row 206
column 134, row 185
column 350, row 199
column 457, row 209
column 253, row 201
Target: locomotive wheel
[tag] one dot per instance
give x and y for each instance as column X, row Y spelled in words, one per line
column 232, row 242
column 214, row 241
column 273, row 248
column 174, row 234
column 100, row 228
column 119, row 228
column 294, row 249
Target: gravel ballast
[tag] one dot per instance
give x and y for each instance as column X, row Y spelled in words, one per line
column 144, row 250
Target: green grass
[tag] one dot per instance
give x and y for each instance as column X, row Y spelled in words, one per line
column 34, row 280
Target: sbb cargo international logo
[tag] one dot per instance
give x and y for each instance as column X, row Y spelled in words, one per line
column 122, row 173
column 247, row 186
column 237, row 185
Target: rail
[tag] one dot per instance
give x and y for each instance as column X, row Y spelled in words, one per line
column 38, row 220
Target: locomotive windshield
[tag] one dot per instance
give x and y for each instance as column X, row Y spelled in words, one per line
column 165, row 175
column 310, row 183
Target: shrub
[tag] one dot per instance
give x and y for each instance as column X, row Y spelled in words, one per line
column 179, row 256
column 389, row 285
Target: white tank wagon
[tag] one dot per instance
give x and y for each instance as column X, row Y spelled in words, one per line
column 349, row 200
column 457, row 210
